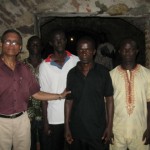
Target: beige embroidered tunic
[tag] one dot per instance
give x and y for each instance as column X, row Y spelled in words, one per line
column 131, row 94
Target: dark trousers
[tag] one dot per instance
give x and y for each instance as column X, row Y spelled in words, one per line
column 56, row 140
column 88, row 144
column 36, row 134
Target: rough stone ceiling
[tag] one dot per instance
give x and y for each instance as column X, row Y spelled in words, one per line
column 138, row 22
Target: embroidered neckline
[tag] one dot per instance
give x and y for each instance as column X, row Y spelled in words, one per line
column 129, row 87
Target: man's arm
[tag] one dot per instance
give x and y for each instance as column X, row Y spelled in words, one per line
column 45, row 120
column 146, row 135
column 110, row 113
column 68, row 108
column 49, row 96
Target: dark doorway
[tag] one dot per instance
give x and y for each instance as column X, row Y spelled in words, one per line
column 76, row 26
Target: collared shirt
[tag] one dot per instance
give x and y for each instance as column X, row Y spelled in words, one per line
column 15, row 88
column 131, row 94
column 88, row 116
column 52, row 79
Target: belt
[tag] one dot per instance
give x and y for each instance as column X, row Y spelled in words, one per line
column 11, row 116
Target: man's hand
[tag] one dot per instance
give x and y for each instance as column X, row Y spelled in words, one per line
column 64, row 93
column 68, row 136
column 108, row 136
column 146, row 137
column 46, row 129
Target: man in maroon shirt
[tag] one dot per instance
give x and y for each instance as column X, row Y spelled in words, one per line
column 17, row 85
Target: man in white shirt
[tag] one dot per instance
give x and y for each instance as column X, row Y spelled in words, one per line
column 52, row 76
column 131, row 82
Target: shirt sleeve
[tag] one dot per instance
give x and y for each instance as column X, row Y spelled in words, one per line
column 148, row 88
column 69, row 86
column 43, row 78
column 108, row 85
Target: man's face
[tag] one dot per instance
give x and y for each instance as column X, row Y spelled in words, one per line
column 34, row 47
column 11, row 45
column 128, row 52
column 59, row 42
column 85, row 51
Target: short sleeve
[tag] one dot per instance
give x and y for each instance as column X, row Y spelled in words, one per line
column 148, row 88
column 69, row 86
column 108, row 85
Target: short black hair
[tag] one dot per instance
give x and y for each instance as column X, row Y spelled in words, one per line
column 130, row 41
column 32, row 38
column 11, row 31
column 55, row 31
column 86, row 38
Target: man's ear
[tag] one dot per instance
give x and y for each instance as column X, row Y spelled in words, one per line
column 20, row 48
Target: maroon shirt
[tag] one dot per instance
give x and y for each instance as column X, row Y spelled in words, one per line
column 15, row 88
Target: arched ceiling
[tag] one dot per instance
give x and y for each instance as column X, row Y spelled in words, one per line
column 115, row 28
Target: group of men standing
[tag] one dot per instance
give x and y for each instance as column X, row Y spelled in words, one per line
column 98, row 107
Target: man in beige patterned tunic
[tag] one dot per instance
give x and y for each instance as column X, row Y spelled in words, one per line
column 131, row 81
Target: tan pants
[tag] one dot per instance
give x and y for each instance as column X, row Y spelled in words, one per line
column 121, row 143
column 15, row 132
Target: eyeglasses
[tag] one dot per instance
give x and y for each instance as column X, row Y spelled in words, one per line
column 13, row 43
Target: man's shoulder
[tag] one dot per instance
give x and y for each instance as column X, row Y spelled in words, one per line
column 25, row 67
column 73, row 68
column 74, row 57
column 114, row 72
column 144, row 69
column 23, row 64
column 44, row 61
column 114, row 69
